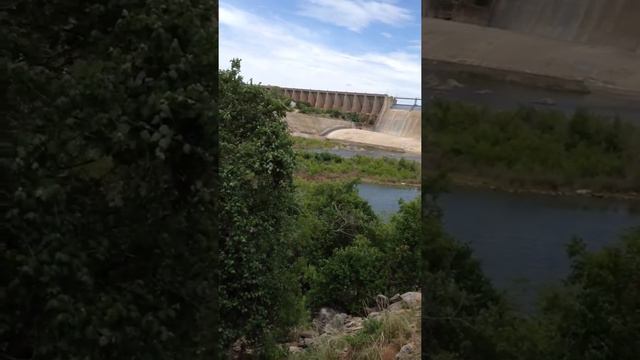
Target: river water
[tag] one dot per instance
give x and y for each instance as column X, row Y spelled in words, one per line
column 519, row 239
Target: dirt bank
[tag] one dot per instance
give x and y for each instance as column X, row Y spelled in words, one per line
column 372, row 138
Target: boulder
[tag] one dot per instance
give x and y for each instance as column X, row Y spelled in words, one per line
column 412, row 298
column 395, row 298
column 406, row 352
column 308, row 334
column 295, row 349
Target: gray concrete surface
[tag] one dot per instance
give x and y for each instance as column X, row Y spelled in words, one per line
column 614, row 23
column 600, row 68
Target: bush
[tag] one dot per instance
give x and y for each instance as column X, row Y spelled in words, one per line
column 401, row 246
column 332, row 215
column 350, row 278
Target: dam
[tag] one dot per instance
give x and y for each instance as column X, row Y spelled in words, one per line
column 389, row 122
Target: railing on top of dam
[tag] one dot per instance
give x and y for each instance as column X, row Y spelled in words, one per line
column 409, row 104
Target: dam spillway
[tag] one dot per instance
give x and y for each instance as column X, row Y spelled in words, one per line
column 400, row 122
column 381, row 113
column 610, row 23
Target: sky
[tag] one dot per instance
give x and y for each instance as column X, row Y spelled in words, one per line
column 343, row 45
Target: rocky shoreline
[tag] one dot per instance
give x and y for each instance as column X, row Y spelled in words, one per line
column 329, row 326
column 485, row 184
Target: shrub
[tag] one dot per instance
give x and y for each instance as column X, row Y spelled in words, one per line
column 350, row 278
column 332, row 215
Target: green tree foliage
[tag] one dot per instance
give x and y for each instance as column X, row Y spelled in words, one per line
column 332, row 215
column 595, row 315
column 257, row 210
column 111, row 250
column 456, row 293
column 350, row 277
column 402, row 248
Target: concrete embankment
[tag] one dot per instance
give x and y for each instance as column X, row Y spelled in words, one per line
column 530, row 59
column 377, row 139
column 314, row 125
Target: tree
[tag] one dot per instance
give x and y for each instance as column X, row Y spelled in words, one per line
column 257, row 209
column 112, row 230
column 595, row 315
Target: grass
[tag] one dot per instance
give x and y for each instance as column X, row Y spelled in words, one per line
column 326, row 166
column 311, row 143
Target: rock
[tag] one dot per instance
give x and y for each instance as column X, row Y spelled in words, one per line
column 545, row 101
column 405, row 352
column 325, row 315
column 395, row 298
column 308, row 342
column 381, row 301
column 307, row 334
column 336, row 323
column 452, row 83
column 295, row 349
column 430, row 81
column 397, row 306
column 412, row 298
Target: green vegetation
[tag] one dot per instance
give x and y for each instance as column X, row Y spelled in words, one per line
column 109, row 250
column 288, row 249
column 306, row 108
column 530, row 148
column 592, row 316
column 300, row 143
column 257, row 206
column 338, row 232
column 320, row 166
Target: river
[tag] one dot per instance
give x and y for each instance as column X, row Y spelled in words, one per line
column 519, row 239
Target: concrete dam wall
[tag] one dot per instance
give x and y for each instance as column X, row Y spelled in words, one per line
column 369, row 106
column 600, row 22
column 377, row 109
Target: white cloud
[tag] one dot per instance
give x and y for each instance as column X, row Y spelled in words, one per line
column 285, row 54
column 355, row 15
column 387, row 35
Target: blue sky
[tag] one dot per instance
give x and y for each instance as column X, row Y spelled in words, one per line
column 347, row 45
